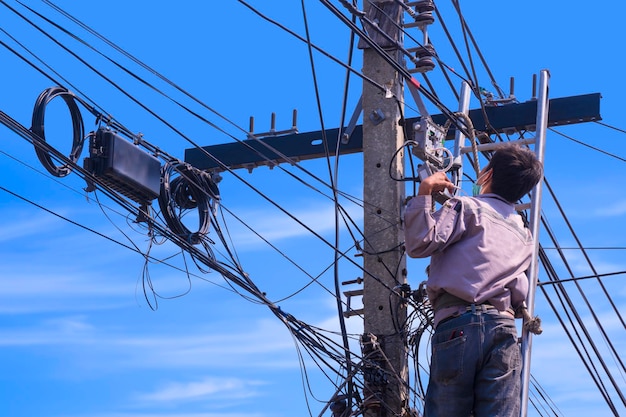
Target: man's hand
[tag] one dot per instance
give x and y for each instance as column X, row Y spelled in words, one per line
column 435, row 183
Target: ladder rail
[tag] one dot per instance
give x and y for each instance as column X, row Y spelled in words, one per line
column 535, row 221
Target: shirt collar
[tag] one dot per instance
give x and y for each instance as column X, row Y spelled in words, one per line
column 496, row 196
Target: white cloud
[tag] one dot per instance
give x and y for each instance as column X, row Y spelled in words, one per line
column 37, row 290
column 611, row 209
column 276, row 226
column 69, row 330
column 62, row 284
column 18, row 226
column 205, row 389
column 263, row 343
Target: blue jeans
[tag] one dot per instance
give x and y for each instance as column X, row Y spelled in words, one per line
column 475, row 367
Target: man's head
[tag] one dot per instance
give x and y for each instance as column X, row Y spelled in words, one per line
column 515, row 170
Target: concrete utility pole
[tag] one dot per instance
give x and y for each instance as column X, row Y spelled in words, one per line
column 384, row 339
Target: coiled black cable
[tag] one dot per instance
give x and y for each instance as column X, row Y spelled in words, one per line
column 37, row 127
column 191, row 189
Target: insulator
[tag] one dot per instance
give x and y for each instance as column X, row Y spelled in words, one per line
column 424, row 51
column 424, row 19
column 424, row 55
column 424, row 6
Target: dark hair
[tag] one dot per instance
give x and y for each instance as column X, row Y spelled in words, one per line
column 516, row 170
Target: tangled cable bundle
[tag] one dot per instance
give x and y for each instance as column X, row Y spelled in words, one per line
column 186, row 188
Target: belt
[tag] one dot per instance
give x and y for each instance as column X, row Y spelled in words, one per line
column 444, row 310
column 448, row 300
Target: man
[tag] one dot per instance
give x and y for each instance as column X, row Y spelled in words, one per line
column 479, row 251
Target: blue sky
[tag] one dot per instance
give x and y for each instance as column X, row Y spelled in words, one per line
column 77, row 335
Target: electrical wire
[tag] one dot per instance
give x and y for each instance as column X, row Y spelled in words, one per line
column 332, row 178
column 350, row 392
column 132, row 58
column 311, row 340
column 117, row 126
column 191, row 189
column 467, row 33
column 160, row 151
column 619, row 158
column 78, row 130
column 138, row 78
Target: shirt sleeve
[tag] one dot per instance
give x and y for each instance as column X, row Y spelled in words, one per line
column 427, row 232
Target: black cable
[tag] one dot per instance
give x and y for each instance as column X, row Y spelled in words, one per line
column 183, row 244
column 204, row 258
column 307, row 342
column 117, row 126
column 191, row 189
column 211, row 109
column 37, row 127
column 55, row 81
column 586, row 256
column 609, row 126
column 467, row 32
column 132, row 74
column 569, row 306
column 120, row 127
column 545, row 396
column 454, row 48
column 563, row 299
column 181, row 198
column 222, row 165
column 475, row 85
column 619, row 158
column 350, row 369
column 595, row 276
column 333, row 184
column 444, row 67
column 390, row 60
column 131, row 57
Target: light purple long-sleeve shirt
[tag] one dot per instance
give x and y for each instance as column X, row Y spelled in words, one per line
column 479, row 248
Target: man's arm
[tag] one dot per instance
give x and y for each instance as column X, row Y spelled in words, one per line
column 437, row 182
column 424, row 231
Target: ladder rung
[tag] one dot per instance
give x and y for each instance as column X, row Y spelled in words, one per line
column 495, row 145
